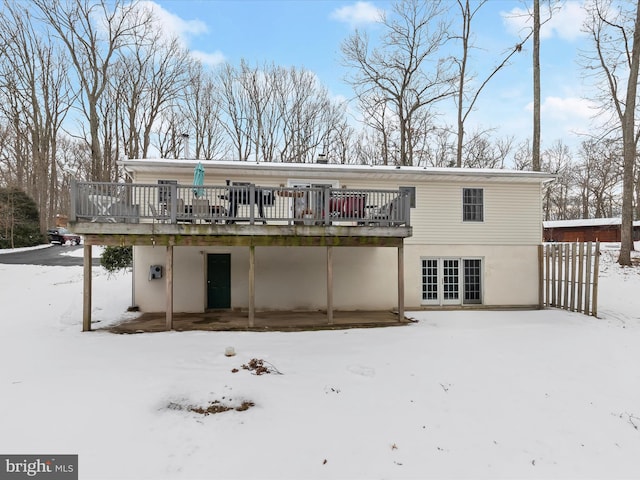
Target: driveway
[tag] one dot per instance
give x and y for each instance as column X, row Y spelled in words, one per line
column 54, row 255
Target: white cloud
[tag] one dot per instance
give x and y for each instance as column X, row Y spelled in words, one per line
column 359, row 13
column 568, row 108
column 566, row 117
column 174, row 25
column 210, row 59
column 565, row 23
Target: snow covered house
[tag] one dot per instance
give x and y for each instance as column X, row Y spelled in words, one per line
column 274, row 236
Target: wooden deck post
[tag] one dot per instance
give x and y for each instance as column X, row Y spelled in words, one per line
column 580, row 276
column 401, row 282
column 86, row 294
column 252, row 285
column 596, row 272
column 574, row 254
column 169, row 284
column 587, row 293
column 330, row 285
column 540, row 277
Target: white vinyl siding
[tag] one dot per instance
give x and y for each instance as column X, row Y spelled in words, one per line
column 512, row 210
column 506, row 240
column 512, row 215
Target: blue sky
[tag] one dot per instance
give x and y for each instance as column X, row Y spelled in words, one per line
column 308, row 33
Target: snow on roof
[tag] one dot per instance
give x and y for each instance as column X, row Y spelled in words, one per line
column 585, row 222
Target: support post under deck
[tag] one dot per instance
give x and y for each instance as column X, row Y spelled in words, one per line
column 86, row 294
column 169, row 284
column 401, row 283
column 252, row 286
column 330, row 285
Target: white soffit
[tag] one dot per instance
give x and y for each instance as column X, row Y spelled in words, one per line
column 312, row 170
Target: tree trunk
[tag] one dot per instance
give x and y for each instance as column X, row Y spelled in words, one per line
column 536, row 86
column 629, row 148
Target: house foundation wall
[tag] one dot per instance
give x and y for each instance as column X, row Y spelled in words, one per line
column 291, row 278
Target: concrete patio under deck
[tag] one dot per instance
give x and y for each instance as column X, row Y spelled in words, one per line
column 283, row 321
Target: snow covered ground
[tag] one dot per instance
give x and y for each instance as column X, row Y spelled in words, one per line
column 539, row 394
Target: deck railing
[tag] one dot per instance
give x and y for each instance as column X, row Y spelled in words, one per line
column 237, row 203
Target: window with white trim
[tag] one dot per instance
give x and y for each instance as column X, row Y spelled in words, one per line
column 472, row 205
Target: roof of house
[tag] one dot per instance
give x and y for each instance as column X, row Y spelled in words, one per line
column 371, row 171
column 585, row 222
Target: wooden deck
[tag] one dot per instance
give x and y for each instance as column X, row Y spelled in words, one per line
column 280, row 321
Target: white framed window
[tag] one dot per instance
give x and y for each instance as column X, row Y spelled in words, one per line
column 451, row 281
column 473, row 205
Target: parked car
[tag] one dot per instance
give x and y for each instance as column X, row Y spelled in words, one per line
column 62, row 236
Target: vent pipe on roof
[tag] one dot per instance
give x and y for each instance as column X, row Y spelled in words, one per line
column 322, row 158
column 185, row 145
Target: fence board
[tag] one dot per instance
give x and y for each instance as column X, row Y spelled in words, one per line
column 554, row 298
column 559, row 284
column 587, row 280
column 580, row 276
column 573, row 276
column 570, row 276
column 596, row 271
column 547, row 287
column 567, row 258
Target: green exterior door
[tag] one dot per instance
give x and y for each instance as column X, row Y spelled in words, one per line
column 219, row 280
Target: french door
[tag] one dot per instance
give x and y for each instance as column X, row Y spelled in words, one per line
column 451, row 281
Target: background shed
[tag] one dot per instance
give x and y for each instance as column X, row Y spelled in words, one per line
column 586, row 230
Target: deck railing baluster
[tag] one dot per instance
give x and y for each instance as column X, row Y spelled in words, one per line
column 249, row 204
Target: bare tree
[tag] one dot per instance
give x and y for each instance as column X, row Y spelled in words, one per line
column 483, row 152
column 308, row 116
column 466, row 99
column 615, row 34
column 93, row 32
column 441, row 151
column 152, row 76
column 557, row 159
column 599, row 176
column 637, row 184
column 522, row 155
column 341, row 143
column 375, row 110
column 366, row 148
column 33, row 73
column 406, row 70
column 74, row 162
column 235, row 107
column 536, row 86
column 260, row 85
column 202, row 113
column 169, row 135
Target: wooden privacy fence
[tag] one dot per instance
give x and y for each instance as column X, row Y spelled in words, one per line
column 569, row 276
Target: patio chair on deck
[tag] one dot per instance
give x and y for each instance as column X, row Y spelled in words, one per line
column 182, row 214
column 161, row 217
column 201, row 209
column 386, row 215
